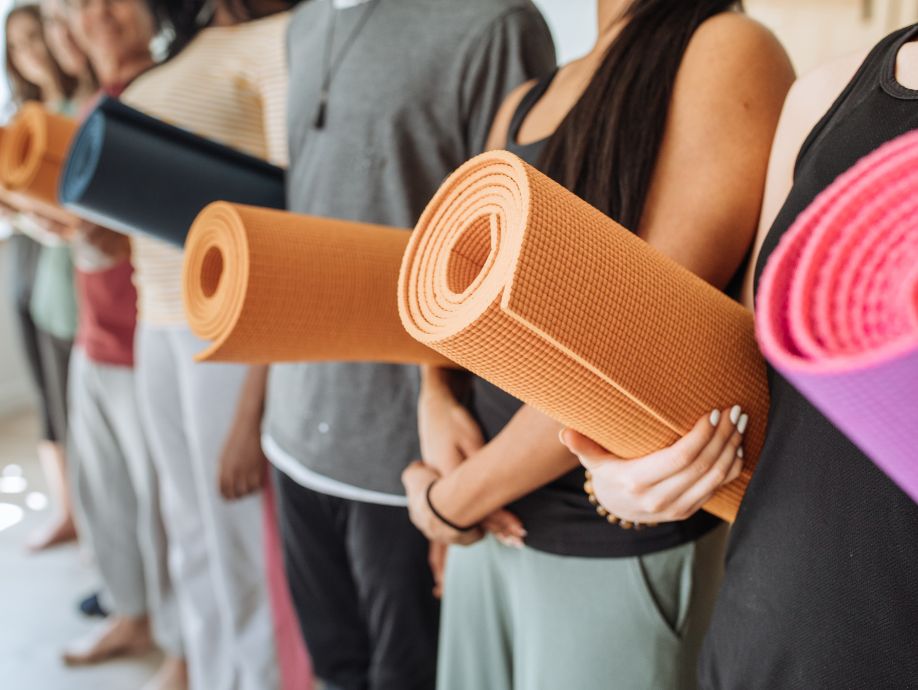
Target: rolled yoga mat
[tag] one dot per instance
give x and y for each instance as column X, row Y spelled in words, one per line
column 838, row 307
column 269, row 286
column 515, row 278
column 33, row 152
column 136, row 174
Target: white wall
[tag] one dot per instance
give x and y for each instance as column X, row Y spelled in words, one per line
column 800, row 24
column 573, row 25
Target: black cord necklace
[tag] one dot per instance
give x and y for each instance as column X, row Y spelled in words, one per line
column 329, row 69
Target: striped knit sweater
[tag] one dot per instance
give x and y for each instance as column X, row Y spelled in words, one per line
column 230, row 85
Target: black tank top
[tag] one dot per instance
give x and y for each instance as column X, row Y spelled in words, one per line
column 821, row 589
column 558, row 517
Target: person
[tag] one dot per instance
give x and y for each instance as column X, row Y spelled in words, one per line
column 43, row 274
column 225, row 79
column 579, row 602
column 115, row 484
column 820, row 584
column 388, row 99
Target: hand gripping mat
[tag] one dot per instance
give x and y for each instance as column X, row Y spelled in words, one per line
column 515, row 278
column 269, row 286
column 33, row 152
column 838, row 307
column 136, row 174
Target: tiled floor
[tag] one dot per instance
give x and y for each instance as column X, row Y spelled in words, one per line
column 39, row 593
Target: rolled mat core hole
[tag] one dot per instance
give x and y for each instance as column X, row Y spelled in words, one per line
column 468, row 256
column 211, row 271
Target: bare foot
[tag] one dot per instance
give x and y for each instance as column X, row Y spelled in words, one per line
column 172, row 675
column 60, row 531
column 119, row 636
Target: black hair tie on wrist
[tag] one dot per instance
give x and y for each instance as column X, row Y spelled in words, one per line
column 439, row 516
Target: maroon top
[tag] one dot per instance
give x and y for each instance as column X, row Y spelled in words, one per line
column 107, row 300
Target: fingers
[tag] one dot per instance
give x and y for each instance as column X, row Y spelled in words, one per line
column 506, row 527
column 590, row 453
column 437, row 560
column 717, row 456
column 697, row 496
column 417, row 476
column 684, row 496
column 227, row 488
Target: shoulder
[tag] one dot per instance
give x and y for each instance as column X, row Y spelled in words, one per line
column 733, row 44
column 267, row 27
column 481, row 16
column 814, row 92
column 500, row 129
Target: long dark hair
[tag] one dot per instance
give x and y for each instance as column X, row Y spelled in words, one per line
column 606, row 148
column 184, row 19
column 22, row 89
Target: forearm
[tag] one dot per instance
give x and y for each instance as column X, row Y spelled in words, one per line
column 525, row 456
column 440, row 381
column 251, row 405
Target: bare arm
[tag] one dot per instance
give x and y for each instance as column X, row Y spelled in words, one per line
column 725, row 107
column 674, row 482
column 242, row 462
column 706, row 195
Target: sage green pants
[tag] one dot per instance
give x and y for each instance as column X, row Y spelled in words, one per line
column 527, row 620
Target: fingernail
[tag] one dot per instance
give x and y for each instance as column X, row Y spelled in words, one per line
column 561, row 437
column 715, row 418
column 515, row 542
column 742, row 424
column 739, row 453
column 735, row 413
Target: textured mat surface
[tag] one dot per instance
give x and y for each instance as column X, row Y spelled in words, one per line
column 270, row 286
column 33, row 151
column 838, row 307
column 136, row 174
column 513, row 277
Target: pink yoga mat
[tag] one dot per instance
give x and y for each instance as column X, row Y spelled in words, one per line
column 837, row 312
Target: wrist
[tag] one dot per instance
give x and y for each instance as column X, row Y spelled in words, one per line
column 435, row 503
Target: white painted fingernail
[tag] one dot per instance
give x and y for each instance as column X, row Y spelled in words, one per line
column 735, row 413
column 715, row 418
column 742, row 424
column 740, row 454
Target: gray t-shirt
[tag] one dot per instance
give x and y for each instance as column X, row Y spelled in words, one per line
column 413, row 98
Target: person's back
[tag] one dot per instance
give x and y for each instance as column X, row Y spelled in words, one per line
column 412, row 87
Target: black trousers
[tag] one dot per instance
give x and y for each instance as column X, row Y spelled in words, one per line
column 362, row 589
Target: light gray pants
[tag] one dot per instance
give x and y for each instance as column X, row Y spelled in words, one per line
column 215, row 549
column 117, row 496
column 528, row 620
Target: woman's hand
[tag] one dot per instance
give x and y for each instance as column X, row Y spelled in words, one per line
column 417, row 479
column 506, row 527
column 671, row 484
column 243, row 464
column 436, row 558
column 447, row 432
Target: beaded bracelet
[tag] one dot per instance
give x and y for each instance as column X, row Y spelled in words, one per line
column 610, row 518
column 440, row 517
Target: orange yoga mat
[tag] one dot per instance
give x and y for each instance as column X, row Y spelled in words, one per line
column 515, row 278
column 33, row 152
column 270, row 286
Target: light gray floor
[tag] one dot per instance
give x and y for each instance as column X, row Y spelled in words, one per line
column 39, row 593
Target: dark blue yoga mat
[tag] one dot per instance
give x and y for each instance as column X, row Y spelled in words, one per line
column 135, row 174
